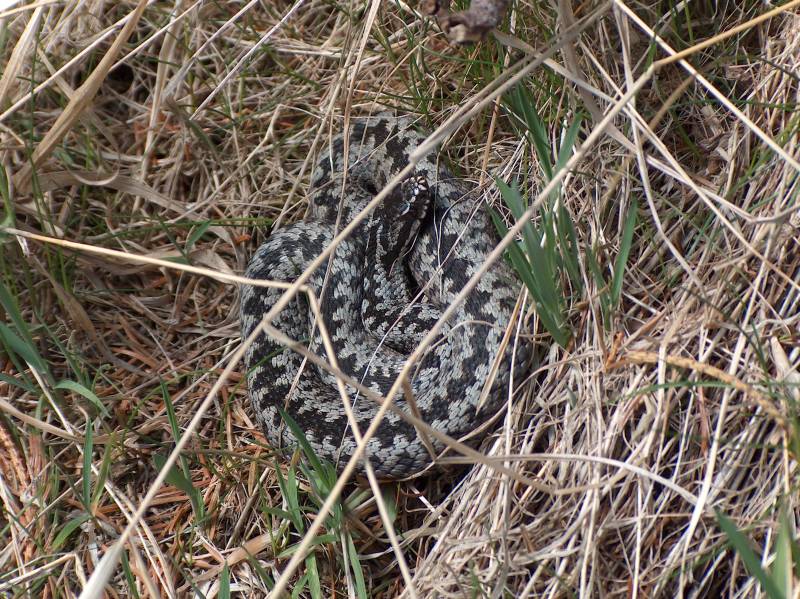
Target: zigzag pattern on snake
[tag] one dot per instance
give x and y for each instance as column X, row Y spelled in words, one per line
column 379, row 301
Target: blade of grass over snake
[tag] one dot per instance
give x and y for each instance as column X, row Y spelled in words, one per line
column 624, row 251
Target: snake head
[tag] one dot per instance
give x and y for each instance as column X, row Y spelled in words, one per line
column 399, row 219
column 416, row 198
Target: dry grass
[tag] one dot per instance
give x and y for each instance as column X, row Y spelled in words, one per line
column 198, row 131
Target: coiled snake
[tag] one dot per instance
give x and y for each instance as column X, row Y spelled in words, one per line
column 381, row 297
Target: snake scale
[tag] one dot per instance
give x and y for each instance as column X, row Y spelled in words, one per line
column 382, row 295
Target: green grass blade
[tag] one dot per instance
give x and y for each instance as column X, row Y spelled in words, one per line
column 390, row 502
column 14, row 381
column 551, row 318
column 312, row 573
column 326, row 539
column 594, row 268
column 292, row 497
column 741, row 545
column 75, row 387
column 126, row 570
column 355, row 566
column 175, row 477
column 67, row 530
column 262, row 573
column 548, row 308
column 322, row 481
column 8, row 207
column 526, row 109
column 225, row 583
column 196, row 234
column 23, row 349
column 795, row 554
column 88, row 449
column 277, row 512
column 184, row 475
column 567, row 236
column 171, row 417
column 105, row 466
column 602, row 292
column 179, row 480
column 515, row 254
column 299, row 586
column 568, row 143
column 782, row 567
column 624, row 252
column 513, row 199
column 568, row 244
column 300, row 436
column 540, row 263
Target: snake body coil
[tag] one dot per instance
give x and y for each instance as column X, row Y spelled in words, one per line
column 379, row 300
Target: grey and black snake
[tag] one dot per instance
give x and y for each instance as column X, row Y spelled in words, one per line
column 381, row 297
